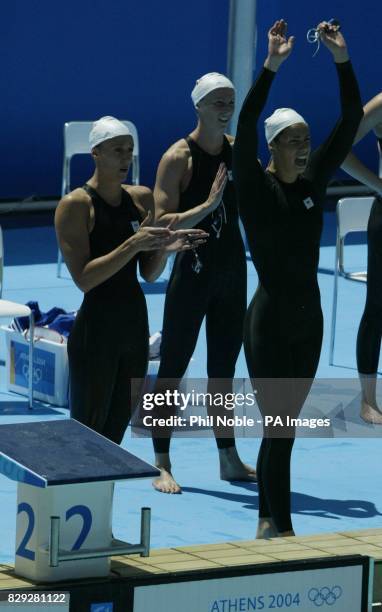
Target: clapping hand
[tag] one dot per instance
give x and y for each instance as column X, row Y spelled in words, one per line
column 217, row 188
column 184, row 239
column 151, row 238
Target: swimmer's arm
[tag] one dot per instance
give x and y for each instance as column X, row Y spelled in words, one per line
column 353, row 166
column 72, row 223
column 246, row 166
column 248, row 174
column 246, row 142
column 151, row 264
column 171, row 171
column 331, row 154
column 372, row 120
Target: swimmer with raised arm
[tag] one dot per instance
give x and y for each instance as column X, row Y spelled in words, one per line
column 282, row 211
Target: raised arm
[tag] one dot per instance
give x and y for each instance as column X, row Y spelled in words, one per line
column 246, row 142
column 331, row 154
column 172, row 169
column 249, row 176
column 372, row 120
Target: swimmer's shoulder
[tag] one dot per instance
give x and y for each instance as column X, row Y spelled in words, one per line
column 142, row 198
column 177, row 155
column 77, row 200
column 74, row 208
column 175, row 167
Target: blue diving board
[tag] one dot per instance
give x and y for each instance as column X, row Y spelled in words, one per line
column 64, row 452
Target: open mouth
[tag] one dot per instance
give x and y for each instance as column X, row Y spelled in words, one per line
column 301, row 161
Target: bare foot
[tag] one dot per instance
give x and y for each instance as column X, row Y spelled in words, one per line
column 286, row 534
column 250, row 469
column 165, row 483
column 266, row 529
column 232, row 467
column 371, row 414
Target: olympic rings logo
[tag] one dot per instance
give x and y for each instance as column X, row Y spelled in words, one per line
column 37, row 373
column 325, row 595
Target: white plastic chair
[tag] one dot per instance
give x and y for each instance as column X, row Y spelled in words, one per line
column 352, row 216
column 76, row 142
column 13, row 309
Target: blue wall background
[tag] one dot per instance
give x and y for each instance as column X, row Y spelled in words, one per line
column 81, row 59
column 74, row 60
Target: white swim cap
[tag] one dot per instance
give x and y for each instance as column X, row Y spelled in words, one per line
column 106, row 128
column 207, row 83
column 279, row 120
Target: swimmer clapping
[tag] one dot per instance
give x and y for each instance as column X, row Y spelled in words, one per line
column 105, row 229
column 194, row 183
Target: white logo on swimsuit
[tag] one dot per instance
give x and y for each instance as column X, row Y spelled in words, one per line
column 197, row 264
column 229, row 175
column 308, row 203
column 135, row 225
column 218, row 217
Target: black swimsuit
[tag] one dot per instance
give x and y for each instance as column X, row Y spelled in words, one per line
column 108, row 345
column 211, row 284
column 283, row 329
column 370, row 329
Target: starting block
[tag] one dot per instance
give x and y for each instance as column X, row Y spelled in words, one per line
column 66, row 474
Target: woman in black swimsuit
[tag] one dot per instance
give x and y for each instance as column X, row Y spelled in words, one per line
column 104, row 230
column 281, row 209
